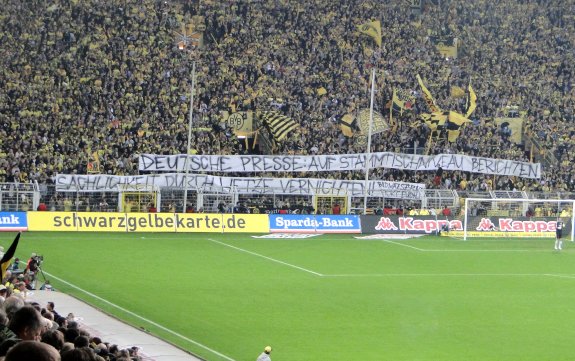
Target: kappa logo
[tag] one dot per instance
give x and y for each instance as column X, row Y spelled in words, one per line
column 485, row 225
column 385, row 224
column 511, row 225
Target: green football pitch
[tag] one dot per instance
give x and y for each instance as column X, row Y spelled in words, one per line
column 329, row 297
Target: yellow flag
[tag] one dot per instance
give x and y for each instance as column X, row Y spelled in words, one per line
column 372, row 29
column 457, row 92
column 457, row 119
column 452, row 135
column 471, row 102
column 428, row 97
column 454, row 124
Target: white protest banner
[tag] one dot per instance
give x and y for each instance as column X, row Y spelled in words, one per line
column 301, row 186
column 339, row 162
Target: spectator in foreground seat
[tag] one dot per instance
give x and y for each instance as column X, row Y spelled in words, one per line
column 32, row 350
column 26, row 325
column 79, row 354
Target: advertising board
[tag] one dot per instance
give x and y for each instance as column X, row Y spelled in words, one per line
column 13, row 221
column 147, row 222
column 296, row 223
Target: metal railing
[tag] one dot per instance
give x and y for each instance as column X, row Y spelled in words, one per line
column 28, row 196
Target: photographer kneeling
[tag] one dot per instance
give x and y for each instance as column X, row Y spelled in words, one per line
column 32, row 268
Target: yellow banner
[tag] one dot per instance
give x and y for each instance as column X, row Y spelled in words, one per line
column 218, row 223
column 147, row 222
column 240, row 122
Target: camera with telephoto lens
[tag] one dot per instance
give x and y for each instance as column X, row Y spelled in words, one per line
column 38, row 259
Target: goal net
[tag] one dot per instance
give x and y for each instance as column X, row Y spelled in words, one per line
column 510, row 217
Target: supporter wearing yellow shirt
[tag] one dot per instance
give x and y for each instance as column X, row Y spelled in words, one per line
column 538, row 211
column 67, row 205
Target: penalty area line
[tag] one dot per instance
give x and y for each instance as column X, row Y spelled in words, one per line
column 266, row 257
column 141, row 318
column 464, row 250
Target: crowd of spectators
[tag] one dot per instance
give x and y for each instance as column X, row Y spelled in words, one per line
column 30, row 331
column 106, row 80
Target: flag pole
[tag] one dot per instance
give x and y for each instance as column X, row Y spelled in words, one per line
column 391, row 112
column 189, row 136
column 368, row 151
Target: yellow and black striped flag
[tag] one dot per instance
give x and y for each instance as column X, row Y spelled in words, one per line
column 279, row 125
column 435, row 121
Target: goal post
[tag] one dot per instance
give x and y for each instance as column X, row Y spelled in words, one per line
column 517, row 217
column 325, row 201
column 138, row 197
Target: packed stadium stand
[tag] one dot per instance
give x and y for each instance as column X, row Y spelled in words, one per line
column 88, row 86
column 87, row 80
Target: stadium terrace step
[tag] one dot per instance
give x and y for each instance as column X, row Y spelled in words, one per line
column 110, row 329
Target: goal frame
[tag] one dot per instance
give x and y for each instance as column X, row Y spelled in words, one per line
column 525, row 202
column 148, row 192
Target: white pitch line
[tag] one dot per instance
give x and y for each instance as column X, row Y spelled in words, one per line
column 441, row 275
column 404, row 245
column 266, row 257
column 141, row 318
column 560, row 276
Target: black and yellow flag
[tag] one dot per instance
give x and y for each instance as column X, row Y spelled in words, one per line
column 346, row 123
column 471, row 102
column 435, row 121
column 379, row 124
column 453, row 125
column 7, row 258
column 279, row 125
column 401, row 101
column 428, row 97
column 371, row 29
